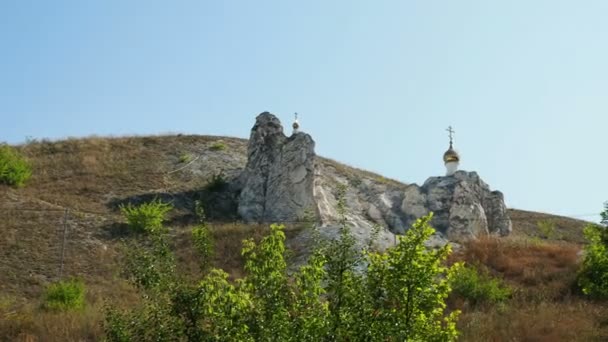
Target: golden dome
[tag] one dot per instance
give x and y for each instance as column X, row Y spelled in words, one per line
column 451, row 156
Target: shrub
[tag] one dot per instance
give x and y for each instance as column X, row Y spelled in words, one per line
column 218, row 146
column 547, row 229
column 14, row 169
column 65, row 295
column 593, row 275
column 147, row 217
column 479, row 287
column 185, row 158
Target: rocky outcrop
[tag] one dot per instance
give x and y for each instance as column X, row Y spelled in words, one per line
column 284, row 182
column 277, row 183
column 463, row 206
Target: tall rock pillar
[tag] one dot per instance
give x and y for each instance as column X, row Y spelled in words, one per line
column 279, row 178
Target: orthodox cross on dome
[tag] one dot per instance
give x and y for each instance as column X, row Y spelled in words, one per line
column 451, row 157
column 296, row 124
column 451, row 134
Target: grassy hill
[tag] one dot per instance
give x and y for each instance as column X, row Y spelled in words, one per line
column 69, row 211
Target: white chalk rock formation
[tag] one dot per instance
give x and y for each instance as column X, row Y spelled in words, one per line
column 464, row 207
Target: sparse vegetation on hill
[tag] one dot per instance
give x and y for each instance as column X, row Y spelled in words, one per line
column 92, row 177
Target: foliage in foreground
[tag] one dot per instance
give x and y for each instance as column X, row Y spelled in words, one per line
column 146, row 217
column 202, row 240
column 593, row 275
column 479, row 287
column 65, row 295
column 340, row 294
column 14, row 169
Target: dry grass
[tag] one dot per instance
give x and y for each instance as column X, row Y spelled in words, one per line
column 87, row 173
column 355, row 175
column 30, row 322
column 38, row 325
column 574, row 320
column 543, row 269
column 525, row 225
column 545, row 306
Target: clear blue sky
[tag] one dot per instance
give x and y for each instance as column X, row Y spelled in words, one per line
column 523, row 82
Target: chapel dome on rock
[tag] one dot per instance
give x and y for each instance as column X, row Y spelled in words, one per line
column 451, row 156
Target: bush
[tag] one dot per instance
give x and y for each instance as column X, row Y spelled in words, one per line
column 547, row 229
column 479, row 288
column 14, row 169
column 218, row 146
column 185, row 158
column 65, row 295
column 593, row 275
column 147, row 217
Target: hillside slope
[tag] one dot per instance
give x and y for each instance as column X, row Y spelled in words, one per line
column 70, row 209
column 90, row 178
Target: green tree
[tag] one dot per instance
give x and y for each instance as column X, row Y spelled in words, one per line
column 408, row 286
column 223, row 310
column 593, row 274
column 202, row 238
column 345, row 293
column 311, row 312
column 267, row 283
